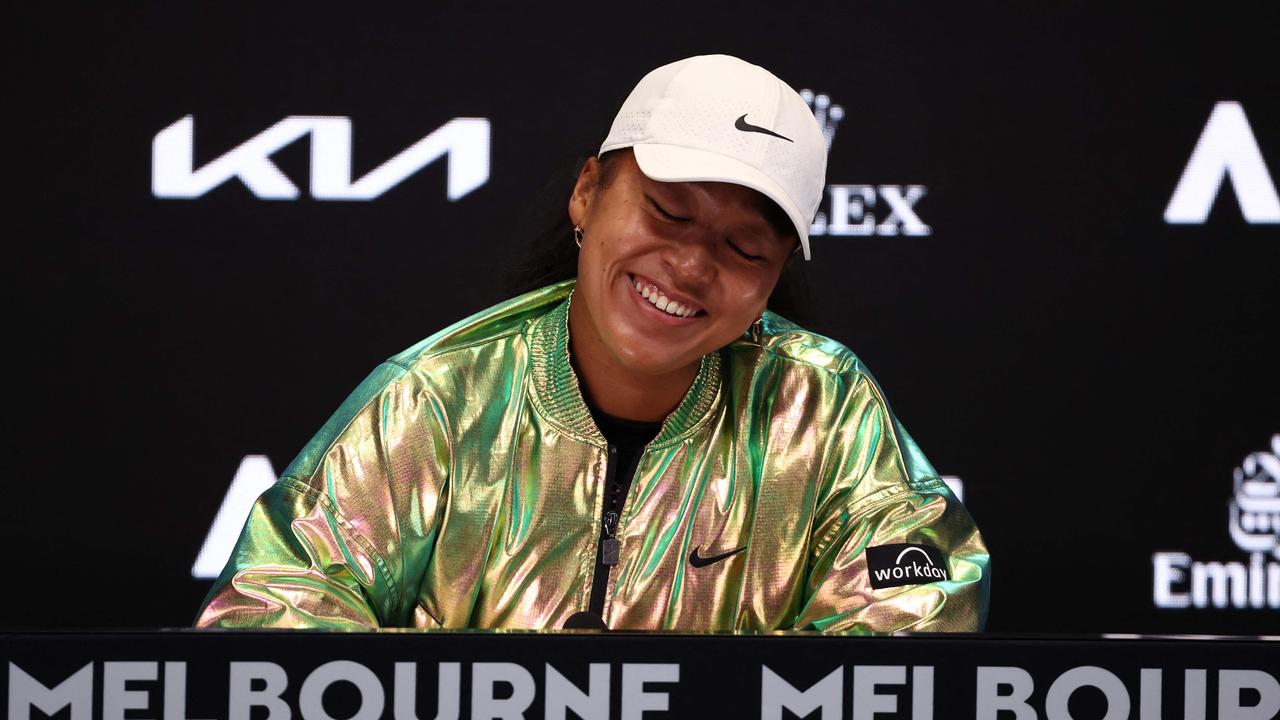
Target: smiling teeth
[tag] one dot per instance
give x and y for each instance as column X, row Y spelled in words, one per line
column 662, row 302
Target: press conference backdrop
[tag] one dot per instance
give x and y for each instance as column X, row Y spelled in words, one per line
column 1053, row 236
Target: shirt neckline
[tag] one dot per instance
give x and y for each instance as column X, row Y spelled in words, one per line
column 556, row 387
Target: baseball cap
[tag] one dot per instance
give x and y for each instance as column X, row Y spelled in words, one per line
column 719, row 118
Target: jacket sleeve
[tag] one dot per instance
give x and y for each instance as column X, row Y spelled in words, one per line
column 341, row 540
column 880, row 499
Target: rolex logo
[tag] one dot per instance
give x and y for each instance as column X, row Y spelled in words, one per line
column 861, row 210
column 828, row 115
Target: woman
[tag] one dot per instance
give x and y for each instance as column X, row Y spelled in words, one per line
column 646, row 447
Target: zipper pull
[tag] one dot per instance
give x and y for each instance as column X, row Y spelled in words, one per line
column 610, row 547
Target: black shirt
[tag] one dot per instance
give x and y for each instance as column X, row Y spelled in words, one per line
column 626, row 439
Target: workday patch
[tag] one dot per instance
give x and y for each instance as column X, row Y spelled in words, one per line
column 905, row 564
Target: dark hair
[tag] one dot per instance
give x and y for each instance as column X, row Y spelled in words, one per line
column 550, row 255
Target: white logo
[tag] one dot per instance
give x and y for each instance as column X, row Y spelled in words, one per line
column 1254, row 525
column 1255, row 509
column 850, row 210
column 895, row 570
column 253, row 477
column 923, row 554
column 956, row 485
column 1227, row 149
column 912, row 571
column 464, row 140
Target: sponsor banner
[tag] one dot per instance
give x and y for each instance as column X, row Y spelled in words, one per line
column 905, row 564
column 323, row 676
column 225, row 224
column 1253, row 523
column 861, row 210
column 464, row 141
column 1226, row 152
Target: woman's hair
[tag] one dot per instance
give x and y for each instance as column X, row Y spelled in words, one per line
column 550, row 254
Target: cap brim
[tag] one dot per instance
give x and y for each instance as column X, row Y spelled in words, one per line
column 673, row 163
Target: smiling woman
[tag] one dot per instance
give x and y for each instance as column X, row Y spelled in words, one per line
column 668, row 273
column 643, row 447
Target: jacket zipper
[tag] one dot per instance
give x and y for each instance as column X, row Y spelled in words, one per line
column 607, row 546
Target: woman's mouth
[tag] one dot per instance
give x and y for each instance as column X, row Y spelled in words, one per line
column 652, row 294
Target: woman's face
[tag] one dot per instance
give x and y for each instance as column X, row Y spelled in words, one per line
column 704, row 250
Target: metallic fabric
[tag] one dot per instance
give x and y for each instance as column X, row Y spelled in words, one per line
column 461, row 486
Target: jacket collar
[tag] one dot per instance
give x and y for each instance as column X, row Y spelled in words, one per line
column 555, row 385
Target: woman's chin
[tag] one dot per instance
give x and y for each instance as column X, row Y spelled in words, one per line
column 642, row 358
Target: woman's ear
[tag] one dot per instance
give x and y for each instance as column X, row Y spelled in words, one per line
column 584, row 190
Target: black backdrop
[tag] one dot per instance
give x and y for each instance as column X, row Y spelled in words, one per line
column 1090, row 372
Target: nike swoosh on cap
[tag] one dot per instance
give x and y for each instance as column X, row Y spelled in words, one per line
column 745, row 126
column 698, row 561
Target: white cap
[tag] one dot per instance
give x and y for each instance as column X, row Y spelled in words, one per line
column 718, row 118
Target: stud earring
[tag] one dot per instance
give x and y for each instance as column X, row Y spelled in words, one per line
column 577, row 235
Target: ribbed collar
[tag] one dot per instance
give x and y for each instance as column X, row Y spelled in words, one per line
column 556, row 385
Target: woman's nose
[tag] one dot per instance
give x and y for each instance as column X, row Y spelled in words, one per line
column 691, row 260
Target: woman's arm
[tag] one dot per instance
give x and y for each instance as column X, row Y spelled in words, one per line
column 342, row 538
column 891, row 548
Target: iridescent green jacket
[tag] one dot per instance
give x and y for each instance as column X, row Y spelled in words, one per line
column 461, row 486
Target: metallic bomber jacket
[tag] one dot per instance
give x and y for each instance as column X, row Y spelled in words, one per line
column 460, row 485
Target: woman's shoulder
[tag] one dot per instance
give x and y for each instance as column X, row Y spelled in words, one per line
column 494, row 324
column 784, row 345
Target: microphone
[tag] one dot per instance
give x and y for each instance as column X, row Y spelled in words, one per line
column 585, row 621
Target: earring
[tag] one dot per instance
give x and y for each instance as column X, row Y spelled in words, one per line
column 757, row 329
column 577, row 235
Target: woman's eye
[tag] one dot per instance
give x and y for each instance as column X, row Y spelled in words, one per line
column 663, row 210
column 742, row 252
